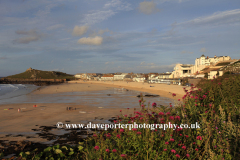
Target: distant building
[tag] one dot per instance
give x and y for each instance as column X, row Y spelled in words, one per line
column 107, row 77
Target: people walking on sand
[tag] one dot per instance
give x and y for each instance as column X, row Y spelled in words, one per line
column 19, row 110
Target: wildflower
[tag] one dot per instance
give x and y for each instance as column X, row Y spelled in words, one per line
column 196, row 149
column 134, row 129
column 206, row 111
column 123, row 155
column 107, row 150
column 179, row 99
column 178, row 118
column 196, row 97
column 170, row 105
column 187, row 155
column 139, row 132
column 108, row 136
column 121, row 130
column 219, row 83
column 180, row 134
column 194, row 142
column 168, row 113
column 173, row 94
column 139, row 101
column 162, row 119
column 141, row 118
column 195, row 104
column 94, row 135
column 166, row 143
column 171, row 118
column 184, row 147
column 154, row 104
column 114, row 150
column 118, row 136
column 199, row 89
column 216, row 127
column 142, row 105
column 120, row 110
column 165, row 149
column 187, row 136
column 127, row 108
column 96, row 147
column 177, row 155
column 215, row 146
column 173, row 151
column 161, row 114
column 171, row 139
column 199, row 138
column 210, row 105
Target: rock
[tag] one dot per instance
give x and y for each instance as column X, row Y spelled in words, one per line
column 109, row 94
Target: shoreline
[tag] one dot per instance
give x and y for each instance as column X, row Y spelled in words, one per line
column 163, row 90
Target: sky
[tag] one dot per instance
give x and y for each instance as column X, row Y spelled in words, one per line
column 108, row 36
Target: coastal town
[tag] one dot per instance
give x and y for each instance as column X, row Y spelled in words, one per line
column 204, row 67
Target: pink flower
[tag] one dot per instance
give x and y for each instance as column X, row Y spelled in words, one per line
column 173, row 151
column 107, row 150
column 173, row 94
column 179, row 99
column 168, row 113
column 121, row 130
column 177, row 155
column 161, row 113
column 187, row 155
column 177, row 117
column 96, row 147
column 195, row 104
column 191, row 97
column 139, row 101
column 123, row 155
column 118, row 136
column 184, row 147
column 196, row 149
column 165, row 149
column 120, row 110
column 166, row 143
column 206, row 111
column 134, row 129
column 187, row 136
column 199, row 138
column 170, row 105
column 108, row 135
column 141, row 118
column 154, row 104
column 114, row 150
column 171, row 118
column 94, row 135
column 171, row 139
column 125, row 115
column 204, row 96
column 139, row 132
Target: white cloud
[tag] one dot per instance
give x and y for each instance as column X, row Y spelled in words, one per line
column 147, row 7
column 109, row 62
column 118, row 5
column 97, row 16
column 142, row 63
column 79, row 30
column 218, row 18
column 203, row 50
column 91, row 41
column 56, row 26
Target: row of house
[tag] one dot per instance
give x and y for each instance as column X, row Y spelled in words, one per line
column 203, row 65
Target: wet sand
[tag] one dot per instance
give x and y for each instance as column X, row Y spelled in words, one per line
column 48, row 114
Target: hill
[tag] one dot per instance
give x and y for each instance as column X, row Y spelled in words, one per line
column 38, row 74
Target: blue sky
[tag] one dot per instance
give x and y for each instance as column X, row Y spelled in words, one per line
column 78, row 36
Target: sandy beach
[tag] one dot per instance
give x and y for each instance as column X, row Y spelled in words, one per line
column 48, row 114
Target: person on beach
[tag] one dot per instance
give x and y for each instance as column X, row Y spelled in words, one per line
column 19, row 110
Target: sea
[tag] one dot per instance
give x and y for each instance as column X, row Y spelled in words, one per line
column 111, row 98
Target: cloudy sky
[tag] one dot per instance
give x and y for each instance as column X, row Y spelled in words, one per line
column 78, row 36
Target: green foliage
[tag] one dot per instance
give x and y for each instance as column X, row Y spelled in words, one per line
column 42, row 74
